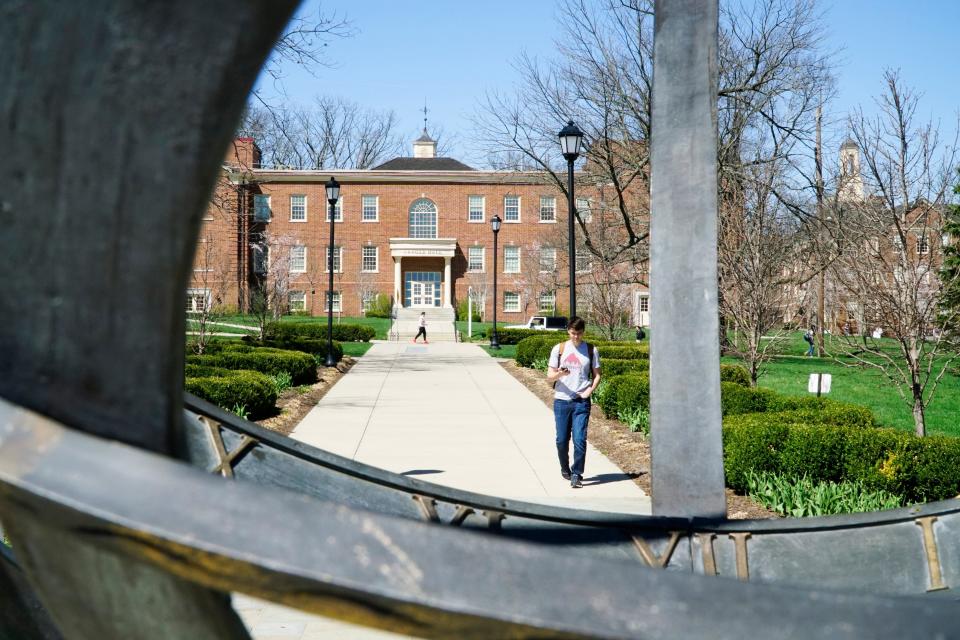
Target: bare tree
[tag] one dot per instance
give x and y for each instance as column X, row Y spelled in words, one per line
column 272, row 257
column 892, row 251
column 331, row 133
column 761, row 261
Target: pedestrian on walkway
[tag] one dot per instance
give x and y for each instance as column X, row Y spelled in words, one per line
column 423, row 328
column 574, row 369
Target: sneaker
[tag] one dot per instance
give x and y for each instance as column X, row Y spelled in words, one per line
column 575, row 482
column 565, row 475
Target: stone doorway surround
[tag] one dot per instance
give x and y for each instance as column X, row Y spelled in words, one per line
column 401, row 248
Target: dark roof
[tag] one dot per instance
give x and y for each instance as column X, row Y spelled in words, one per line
column 849, row 143
column 423, row 164
column 425, row 137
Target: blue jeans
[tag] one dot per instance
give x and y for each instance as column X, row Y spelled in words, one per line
column 810, row 351
column 572, row 416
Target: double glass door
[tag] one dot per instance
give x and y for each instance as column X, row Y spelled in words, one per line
column 423, row 294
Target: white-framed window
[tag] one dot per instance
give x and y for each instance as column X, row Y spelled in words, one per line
column 548, row 209
column 511, row 208
column 370, row 209
column 923, row 247
column 583, row 208
column 584, row 260
column 423, row 219
column 367, row 298
column 476, row 206
column 261, row 207
column 548, row 302
column 370, row 262
column 198, row 300
column 298, row 259
column 337, row 259
column 336, row 301
column 511, row 302
column 297, row 301
column 644, row 304
column 511, row 259
column 548, row 259
column 475, row 260
column 337, row 211
column 261, row 259
column 298, row 208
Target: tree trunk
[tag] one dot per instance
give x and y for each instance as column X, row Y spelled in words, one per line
column 918, row 418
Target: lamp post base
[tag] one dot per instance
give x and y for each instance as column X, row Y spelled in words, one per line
column 494, row 341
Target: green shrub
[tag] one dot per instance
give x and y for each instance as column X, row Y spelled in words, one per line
column 735, row 373
column 824, row 410
column 799, row 496
column 637, row 418
column 381, row 307
column 301, row 366
column 915, row 469
column 735, row 398
column 253, row 391
column 282, row 381
column 288, row 331
column 616, row 352
column 625, row 393
column 314, row 346
column 462, row 308
column 616, row 367
column 528, row 349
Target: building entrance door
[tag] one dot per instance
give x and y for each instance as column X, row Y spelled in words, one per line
column 423, row 294
column 422, row 289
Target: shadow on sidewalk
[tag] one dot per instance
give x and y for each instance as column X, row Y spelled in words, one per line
column 604, row 478
column 420, row 472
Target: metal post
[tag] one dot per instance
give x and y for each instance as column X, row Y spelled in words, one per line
column 331, row 361
column 686, row 444
column 469, row 312
column 494, row 340
column 821, row 292
column 571, row 245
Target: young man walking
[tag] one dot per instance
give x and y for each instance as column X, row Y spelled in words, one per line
column 574, row 368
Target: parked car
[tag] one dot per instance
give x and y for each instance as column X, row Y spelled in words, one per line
column 544, row 323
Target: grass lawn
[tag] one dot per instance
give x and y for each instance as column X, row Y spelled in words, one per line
column 355, row 349
column 505, row 351
column 788, row 374
column 380, row 325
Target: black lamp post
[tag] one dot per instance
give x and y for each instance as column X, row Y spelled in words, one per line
column 495, row 225
column 333, row 194
column 570, row 140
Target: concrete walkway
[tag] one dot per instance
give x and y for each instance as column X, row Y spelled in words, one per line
column 447, row 413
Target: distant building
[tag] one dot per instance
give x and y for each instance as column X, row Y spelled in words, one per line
column 416, row 229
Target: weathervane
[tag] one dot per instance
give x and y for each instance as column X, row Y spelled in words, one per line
column 424, row 114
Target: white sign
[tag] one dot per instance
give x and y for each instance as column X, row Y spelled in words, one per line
column 824, row 379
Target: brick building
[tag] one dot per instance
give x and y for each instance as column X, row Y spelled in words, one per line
column 416, row 229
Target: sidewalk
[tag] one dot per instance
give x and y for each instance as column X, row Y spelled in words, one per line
column 446, row 413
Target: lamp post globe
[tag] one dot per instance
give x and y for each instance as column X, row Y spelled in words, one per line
column 495, row 223
column 333, row 195
column 571, row 139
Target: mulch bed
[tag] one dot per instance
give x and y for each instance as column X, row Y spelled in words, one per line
column 628, row 450
column 293, row 404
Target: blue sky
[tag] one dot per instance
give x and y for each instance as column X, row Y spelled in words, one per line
column 450, row 53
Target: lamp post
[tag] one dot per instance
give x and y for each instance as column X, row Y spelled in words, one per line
column 495, row 225
column 570, row 140
column 333, row 194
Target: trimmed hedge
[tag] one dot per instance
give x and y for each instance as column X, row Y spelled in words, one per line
column 250, row 389
column 735, row 373
column 301, row 366
column 514, row 336
column 617, row 367
column 735, row 398
column 528, row 348
column 625, row 392
column 288, row 331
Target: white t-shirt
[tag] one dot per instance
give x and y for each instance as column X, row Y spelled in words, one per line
column 581, row 374
column 423, row 321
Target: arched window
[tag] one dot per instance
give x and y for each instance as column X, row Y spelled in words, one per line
column 423, row 219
